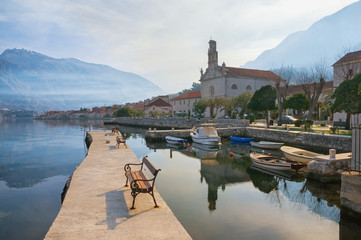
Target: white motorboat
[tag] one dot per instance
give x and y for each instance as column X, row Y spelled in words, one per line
column 267, row 145
column 206, row 134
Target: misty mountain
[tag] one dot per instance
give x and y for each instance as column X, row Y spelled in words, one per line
column 326, row 39
column 33, row 81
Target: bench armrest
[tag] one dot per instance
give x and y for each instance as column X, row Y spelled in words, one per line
column 128, row 168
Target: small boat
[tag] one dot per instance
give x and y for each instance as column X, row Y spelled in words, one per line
column 241, row 139
column 275, row 163
column 298, row 154
column 175, row 140
column 206, row 134
column 267, row 145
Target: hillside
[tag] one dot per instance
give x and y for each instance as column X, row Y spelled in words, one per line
column 33, row 81
column 326, row 38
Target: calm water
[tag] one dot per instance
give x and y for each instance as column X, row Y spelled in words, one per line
column 213, row 196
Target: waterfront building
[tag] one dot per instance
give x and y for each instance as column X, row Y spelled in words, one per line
column 185, row 102
column 345, row 68
column 225, row 82
column 158, row 106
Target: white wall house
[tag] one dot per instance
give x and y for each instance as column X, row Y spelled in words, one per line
column 185, row 102
column 345, row 68
column 226, row 82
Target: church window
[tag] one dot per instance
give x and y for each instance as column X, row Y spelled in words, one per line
column 248, row 88
column 234, row 86
column 211, row 90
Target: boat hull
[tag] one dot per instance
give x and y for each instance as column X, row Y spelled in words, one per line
column 270, row 162
column 266, row 145
column 206, row 140
column 299, row 155
column 241, row 139
column 175, row 140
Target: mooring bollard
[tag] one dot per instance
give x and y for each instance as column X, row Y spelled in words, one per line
column 332, row 154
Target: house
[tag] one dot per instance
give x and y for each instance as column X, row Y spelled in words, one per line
column 345, row 68
column 295, row 89
column 225, row 82
column 158, row 106
column 185, row 102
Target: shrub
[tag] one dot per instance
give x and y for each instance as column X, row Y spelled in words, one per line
column 299, row 123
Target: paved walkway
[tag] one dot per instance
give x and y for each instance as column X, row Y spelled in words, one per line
column 97, row 203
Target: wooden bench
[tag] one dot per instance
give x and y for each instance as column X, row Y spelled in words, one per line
column 120, row 140
column 139, row 183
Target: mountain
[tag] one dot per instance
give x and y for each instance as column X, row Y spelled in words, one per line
column 326, row 39
column 33, row 81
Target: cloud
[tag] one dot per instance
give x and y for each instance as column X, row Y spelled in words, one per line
column 164, row 41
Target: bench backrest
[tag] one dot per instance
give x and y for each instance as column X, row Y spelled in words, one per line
column 150, row 166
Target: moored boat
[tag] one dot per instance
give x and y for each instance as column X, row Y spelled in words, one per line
column 241, row 139
column 298, row 154
column 206, row 134
column 175, row 140
column 275, row 163
column 266, row 144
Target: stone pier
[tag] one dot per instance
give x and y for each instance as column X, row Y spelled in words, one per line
column 97, row 205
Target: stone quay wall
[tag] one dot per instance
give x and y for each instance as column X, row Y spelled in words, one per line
column 237, row 127
column 177, row 123
column 303, row 139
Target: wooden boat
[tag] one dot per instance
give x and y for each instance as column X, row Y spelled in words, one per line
column 275, row 163
column 241, row 139
column 266, row 144
column 175, row 140
column 206, row 134
column 298, row 154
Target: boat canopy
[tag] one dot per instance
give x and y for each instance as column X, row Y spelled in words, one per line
column 207, row 132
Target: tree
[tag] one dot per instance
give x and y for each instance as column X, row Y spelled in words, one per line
column 285, row 74
column 347, row 98
column 200, row 107
column 228, row 105
column 263, row 100
column 297, row 102
column 312, row 82
column 124, row 112
column 214, row 105
column 242, row 100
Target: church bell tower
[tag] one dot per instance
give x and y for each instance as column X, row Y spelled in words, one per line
column 212, row 55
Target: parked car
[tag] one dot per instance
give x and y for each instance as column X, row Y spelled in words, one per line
column 288, row 119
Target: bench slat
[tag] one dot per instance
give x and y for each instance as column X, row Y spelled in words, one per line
column 149, row 165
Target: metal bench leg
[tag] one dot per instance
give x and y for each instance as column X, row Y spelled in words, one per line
column 134, row 194
column 126, row 182
column 156, row 206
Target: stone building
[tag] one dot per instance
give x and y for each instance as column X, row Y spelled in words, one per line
column 345, row 68
column 226, row 82
column 184, row 103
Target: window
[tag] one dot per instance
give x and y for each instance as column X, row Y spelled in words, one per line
column 248, row 88
column 234, row 86
column 211, row 90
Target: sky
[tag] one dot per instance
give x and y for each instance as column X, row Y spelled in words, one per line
column 165, row 41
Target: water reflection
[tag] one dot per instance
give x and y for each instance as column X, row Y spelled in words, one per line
column 228, row 179
column 32, row 151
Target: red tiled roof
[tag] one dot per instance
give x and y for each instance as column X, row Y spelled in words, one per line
column 159, row 103
column 349, row 57
column 139, row 105
column 194, row 94
column 251, row 73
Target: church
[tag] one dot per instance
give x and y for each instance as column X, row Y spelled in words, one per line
column 226, row 82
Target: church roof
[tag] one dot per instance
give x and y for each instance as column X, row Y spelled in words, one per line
column 194, row 94
column 251, row 73
column 349, row 57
